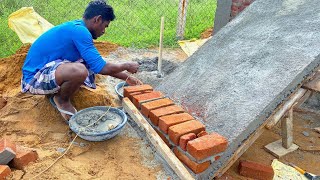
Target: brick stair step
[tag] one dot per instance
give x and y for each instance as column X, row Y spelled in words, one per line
column 166, row 121
column 207, row 145
column 140, row 98
column 148, row 106
column 140, row 88
column 157, row 113
column 176, row 131
column 195, row 167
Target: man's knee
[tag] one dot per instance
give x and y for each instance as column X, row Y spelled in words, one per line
column 76, row 72
column 79, row 71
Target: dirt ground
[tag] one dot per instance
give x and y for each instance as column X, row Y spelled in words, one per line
column 32, row 122
column 306, row 157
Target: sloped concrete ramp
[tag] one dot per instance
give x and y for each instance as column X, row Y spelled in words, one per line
column 238, row 78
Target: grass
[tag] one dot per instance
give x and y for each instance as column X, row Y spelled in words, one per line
column 137, row 23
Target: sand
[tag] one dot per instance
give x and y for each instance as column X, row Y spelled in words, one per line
column 31, row 121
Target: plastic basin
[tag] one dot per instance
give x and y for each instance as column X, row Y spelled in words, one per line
column 100, row 131
column 118, row 88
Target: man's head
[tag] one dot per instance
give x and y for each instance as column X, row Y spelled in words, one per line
column 97, row 16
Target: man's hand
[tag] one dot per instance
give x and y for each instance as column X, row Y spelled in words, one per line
column 132, row 67
column 132, row 81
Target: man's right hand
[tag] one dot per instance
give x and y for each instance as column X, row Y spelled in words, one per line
column 132, row 67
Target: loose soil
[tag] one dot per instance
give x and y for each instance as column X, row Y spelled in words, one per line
column 31, row 121
column 207, row 33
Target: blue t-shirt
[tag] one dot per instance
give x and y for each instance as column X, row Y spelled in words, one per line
column 69, row 41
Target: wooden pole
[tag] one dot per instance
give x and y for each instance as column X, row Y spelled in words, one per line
column 287, row 130
column 182, row 17
column 152, row 135
column 160, row 74
column 295, row 97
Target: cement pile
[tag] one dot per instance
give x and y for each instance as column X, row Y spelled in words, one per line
column 238, row 78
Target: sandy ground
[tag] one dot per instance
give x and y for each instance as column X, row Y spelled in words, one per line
column 32, row 122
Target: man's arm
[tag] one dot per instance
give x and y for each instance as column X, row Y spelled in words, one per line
column 131, row 80
column 117, row 71
column 112, row 68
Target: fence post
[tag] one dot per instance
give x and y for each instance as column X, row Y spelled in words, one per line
column 182, row 17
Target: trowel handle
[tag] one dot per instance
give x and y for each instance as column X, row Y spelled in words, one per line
column 297, row 168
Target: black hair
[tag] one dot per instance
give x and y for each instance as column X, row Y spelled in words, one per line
column 99, row 7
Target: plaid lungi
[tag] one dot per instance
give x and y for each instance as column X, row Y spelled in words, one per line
column 43, row 82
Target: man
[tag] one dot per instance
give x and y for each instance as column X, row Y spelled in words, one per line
column 64, row 58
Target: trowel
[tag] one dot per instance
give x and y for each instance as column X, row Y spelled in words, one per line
column 305, row 173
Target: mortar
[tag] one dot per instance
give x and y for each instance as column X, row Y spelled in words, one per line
column 102, row 129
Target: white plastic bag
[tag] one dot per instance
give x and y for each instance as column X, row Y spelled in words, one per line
column 28, row 24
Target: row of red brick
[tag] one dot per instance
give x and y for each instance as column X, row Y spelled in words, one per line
column 238, row 6
column 14, row 156
column 179, row 130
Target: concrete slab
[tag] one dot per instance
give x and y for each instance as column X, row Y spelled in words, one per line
column 238, row 78
column 277, row 150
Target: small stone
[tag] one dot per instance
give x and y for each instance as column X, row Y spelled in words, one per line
column 305, row 133
column 76, row 143
column 82, row 144
column 111, row 126
column 61, row 150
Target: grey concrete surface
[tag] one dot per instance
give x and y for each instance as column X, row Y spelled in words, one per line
column 222, row 15
column 238, row 78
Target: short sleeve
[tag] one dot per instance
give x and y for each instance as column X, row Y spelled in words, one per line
column 89, row 53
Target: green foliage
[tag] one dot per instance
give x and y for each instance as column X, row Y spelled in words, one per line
column 137, row 22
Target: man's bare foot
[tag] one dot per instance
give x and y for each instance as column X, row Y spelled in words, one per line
column 65, row 106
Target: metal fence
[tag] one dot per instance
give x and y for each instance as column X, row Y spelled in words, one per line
column 137, row 22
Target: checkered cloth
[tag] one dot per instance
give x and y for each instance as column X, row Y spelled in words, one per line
column 44, row 81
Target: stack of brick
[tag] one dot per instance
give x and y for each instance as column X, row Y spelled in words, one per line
column 187, row 137
column 14, row 157
column 238, row 6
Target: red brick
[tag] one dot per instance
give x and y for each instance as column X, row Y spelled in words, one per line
column 202, row 133
column 166, row 121
column 242, row 8
column 148, row 106
column 4, row 171
column 154, row 115
column 138, row 99
column 136, row 93
column 207, row 145
column 255, row 170
column 140, row 88
column 163, row 137
column 176, row 131
column 247, row 2
column 234, row 8
column 184, row 140
column 23, row 158
column 195, row 167
column 7, row 151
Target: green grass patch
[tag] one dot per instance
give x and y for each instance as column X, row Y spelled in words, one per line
column 137, row 23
